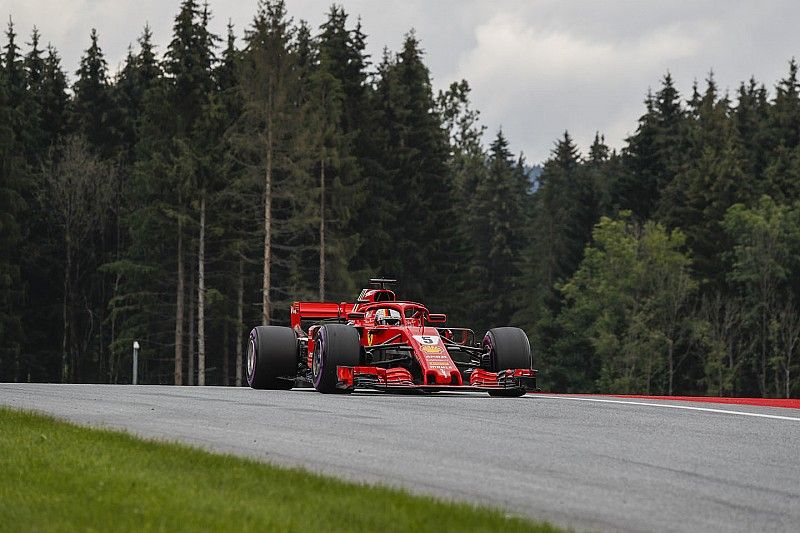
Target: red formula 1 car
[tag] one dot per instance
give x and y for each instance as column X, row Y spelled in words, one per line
column 385, row 344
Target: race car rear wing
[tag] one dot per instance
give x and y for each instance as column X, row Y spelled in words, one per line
column 318, row 311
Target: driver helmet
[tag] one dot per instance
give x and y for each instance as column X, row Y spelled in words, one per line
column 388, row 317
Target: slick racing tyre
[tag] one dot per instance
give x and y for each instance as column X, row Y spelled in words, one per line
column 508, row 348
column 271, row 355
column 334, row 345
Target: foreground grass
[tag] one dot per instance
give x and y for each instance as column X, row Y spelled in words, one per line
column 58, row 476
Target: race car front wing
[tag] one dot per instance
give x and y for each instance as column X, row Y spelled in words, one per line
column 400, row 380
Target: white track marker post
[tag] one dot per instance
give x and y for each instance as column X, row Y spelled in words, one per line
column 135, row 362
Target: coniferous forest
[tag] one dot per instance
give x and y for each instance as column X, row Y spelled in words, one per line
column 200, row 189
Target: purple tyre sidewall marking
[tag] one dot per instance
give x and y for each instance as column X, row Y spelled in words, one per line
column 319, row 348
column 251, row 373
column 487, row 343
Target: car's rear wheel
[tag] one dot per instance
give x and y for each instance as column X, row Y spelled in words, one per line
column 508, row 348
column 271, row 357
column 334, row 345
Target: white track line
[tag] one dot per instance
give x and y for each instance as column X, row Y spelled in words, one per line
column 668, row 405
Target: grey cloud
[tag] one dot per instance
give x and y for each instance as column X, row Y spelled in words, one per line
column 536, row 67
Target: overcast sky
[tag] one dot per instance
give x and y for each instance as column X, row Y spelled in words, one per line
column 536, row 67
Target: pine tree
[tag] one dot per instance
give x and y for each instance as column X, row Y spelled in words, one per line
column 340, row 72
column 13, row 69
column 604, row 168
column 136, row 88
column 138, row 75
column 206, row 150
column 188, row 64
column 465, row 131
column 264, row 135
column 655, row 153
column 782, row 174
column 336, row 97
column 94, row 116
column 34, row 63
column 225, row 72
column 11, row 207
column 467, row 167
column 93, row 104
column 565, row 208
column 54, row 104
column 39, row 135
column 711, row 181
column 15, row 185
column 497, row 221
column 565, row 211
column 37, row 145
column 416, row 154
column 750, row 117
column 598, row 151
column 168, row 180
column 785, row 112
column 380, row 211
column 25, row 114
column 144, row 271
column 325, row 102
column 233, row 205
column 342, row 51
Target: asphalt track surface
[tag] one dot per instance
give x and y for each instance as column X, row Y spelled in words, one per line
column 589, row 463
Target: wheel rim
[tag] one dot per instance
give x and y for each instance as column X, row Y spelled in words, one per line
column 316, row 360
column 251, row 357
column 489, row 346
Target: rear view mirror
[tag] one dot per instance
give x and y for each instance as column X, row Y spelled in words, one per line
column 437, row 318
column 355, row 316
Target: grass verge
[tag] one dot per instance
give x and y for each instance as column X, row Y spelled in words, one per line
column 59, row 476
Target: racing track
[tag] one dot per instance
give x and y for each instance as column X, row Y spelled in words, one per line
column 613, row 464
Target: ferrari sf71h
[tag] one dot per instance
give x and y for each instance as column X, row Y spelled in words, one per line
column 386, row 344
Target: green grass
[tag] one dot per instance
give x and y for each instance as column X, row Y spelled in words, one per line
column 59, row 476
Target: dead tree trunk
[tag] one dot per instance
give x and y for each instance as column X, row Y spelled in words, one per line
column 190, row 379
column 111, row 356
column 16, row 366
column 239, row 320
column 226, row 353
column 266, row 283
column 322, row 230
column 201, row 293
column 65, row 311
column 179, row 308
column 671, row 364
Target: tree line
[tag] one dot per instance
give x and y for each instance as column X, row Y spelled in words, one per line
column 196, row 192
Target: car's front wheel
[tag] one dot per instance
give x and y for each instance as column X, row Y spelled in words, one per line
column 508, row 348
